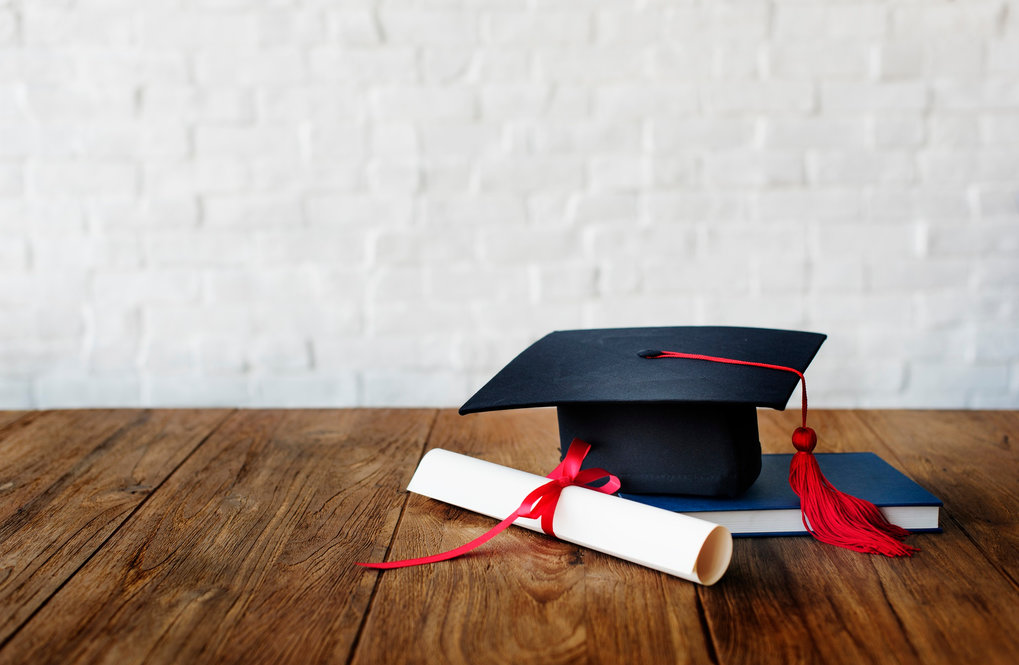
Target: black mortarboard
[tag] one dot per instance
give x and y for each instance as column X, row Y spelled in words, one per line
column 676, row 426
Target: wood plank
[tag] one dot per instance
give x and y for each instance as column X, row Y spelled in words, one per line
column 8, row 417
column 524, row 597
column 959, row 600
column 246, row 554
column 816, row 603
column 68, row 479
column 969, row 460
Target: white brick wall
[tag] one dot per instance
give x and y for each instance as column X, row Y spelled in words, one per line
column 309, row 203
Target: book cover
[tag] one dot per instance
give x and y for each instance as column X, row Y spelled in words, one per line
column 770, row 507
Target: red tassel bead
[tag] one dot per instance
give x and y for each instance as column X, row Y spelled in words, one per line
column 804, row 439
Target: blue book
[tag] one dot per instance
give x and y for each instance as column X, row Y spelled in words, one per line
column 771, row 508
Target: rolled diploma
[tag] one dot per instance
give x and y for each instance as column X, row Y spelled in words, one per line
column 677, row 544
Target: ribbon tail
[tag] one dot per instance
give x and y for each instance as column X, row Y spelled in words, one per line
column 451, row 554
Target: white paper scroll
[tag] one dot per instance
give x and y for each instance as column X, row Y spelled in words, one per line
column 683, row 546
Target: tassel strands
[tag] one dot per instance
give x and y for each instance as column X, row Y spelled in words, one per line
column 831, row 516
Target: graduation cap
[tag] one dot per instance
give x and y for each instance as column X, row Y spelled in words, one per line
column 665, row 427
column 673, row 410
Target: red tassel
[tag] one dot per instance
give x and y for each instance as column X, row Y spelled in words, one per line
column 828, row 514
column 837, row 518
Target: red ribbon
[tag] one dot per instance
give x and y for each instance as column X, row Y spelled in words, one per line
column 539, row 504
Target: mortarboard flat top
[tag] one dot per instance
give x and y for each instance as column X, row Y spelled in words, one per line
column 584, row 366
column 672, row 426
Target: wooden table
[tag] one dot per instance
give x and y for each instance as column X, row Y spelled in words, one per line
column 231, row 536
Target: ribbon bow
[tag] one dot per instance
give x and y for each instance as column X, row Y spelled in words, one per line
column 539, row 504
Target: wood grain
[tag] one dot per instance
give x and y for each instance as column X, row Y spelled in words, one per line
column 8, row 417
column 524, row 597
column 247, row 552
column 817, row 603
column 129, row 536
column 68, row 479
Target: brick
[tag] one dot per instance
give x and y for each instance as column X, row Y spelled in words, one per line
column 742, row 20
column 74, row 104
column 459, row 283
column 16, row 394
column 836, row 274
column 281, row 141
column 432, row 388
column 580, row 64
column 811, row 59
column 428, row 27
column 50, row 27
column 620, row 210
column 280, row 355
column 1003, row 57
column 858, row 167
column 833, row 131
column 494, row 65
column 127, row 69
column 624, row 27
column 854, row 96
column 530, row 174
column 278, row 67
column 641, row 310
column 290, row 26
column 194, row 30
column 461, row 139
column 813, row 204
column 264, row 284
column 252, row 211
column 918, row 274
column 744, row 96
column 137, row 287
column 882, row 242
column 997, row 272
column 205, row 105
column 566, row 282
column 425, row 103
column 676, row 134
column 78, row 389
column 620, row 173
column 547, row 27
column 357, row 210
column 424, row 351
column 999, row 129
column 988, row 94
column 305, row 391
column 353, row 26
column 14, row 254
column 197, row 248
column 830, row 21
column 901, row 131
column 931, row 203
column 186, row 178
column 416, row 246
column 170, row 390
column 376, row 66
column 445, row 65
column 746, row 167
column 974, row 18
column 11, row 179
column 51, row 251
column 958, row 130
column 526, row 245
column 996, row 200
column 8, row 27
column 714, row 206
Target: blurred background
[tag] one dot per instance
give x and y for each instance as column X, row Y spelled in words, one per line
column 317, row 203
